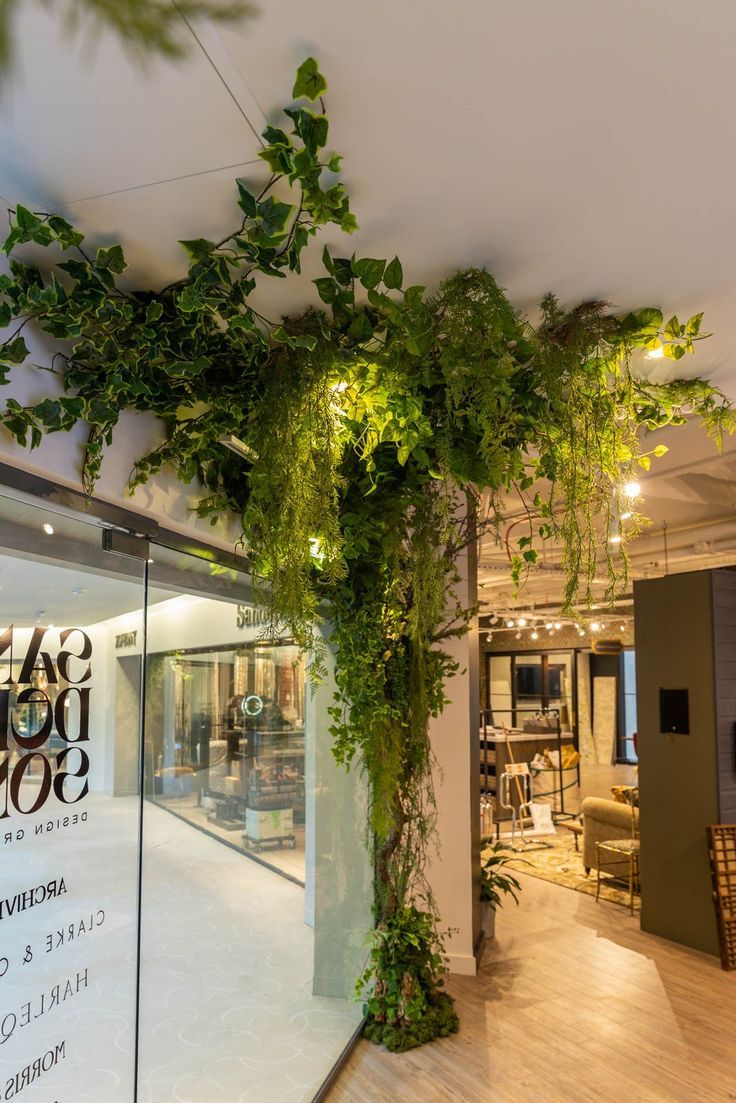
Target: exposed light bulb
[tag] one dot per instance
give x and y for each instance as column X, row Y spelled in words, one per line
column 48, row 529
column 548, row 625
column 489, row 637
column 581, row 632
column 535, row 635
column 518, row 635
column 655, row 354
column 595, row 626
column 509, row 624
column 622, row 627
column 558, row 626
column 632, row 489
column 521, row 622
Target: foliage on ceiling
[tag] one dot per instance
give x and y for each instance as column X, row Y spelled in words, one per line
column 364, row 433
column 145, row 27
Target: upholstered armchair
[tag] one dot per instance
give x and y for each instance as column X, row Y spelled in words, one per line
column 603, row 820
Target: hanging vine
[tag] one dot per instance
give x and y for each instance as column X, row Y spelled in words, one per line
column 365, row 433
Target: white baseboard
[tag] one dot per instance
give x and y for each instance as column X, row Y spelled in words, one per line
column 463, row 965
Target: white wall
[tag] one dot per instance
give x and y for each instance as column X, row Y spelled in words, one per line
column 454, row 866
column 60, row 458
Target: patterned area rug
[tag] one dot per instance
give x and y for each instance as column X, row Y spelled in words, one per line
column 562, row 865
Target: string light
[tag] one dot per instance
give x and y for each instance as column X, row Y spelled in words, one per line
column 509, row 624
column 521, row 622
column 535, row 635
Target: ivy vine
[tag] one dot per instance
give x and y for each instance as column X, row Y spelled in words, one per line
column 375, row 438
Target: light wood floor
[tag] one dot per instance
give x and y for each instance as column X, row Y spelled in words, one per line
column 573, row 1004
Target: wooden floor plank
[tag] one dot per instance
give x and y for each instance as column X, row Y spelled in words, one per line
column 573, row 1004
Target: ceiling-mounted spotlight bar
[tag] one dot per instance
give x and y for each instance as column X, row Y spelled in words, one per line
column 522, row 622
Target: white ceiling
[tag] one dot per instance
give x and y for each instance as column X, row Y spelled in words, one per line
column 580, row 147
column 42, row 592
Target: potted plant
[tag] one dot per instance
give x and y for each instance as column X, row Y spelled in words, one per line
column 495, row 883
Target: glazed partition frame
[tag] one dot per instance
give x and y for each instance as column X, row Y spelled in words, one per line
column 165, row 960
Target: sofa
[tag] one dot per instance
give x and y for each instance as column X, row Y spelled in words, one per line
column 603, row 820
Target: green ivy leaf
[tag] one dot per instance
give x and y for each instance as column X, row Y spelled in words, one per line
column 649, row 318
column 305, row 341
column 111, row 260
column 393, row 277
column 14, row 352
column 276, row 137
column 369, row 271
column 309, row 83
column 198, row 248
column 327, row 289
column 154, row 311
column 274, row 215
column 692, row 328
column 64, row 232
column 414, row 295
column 246, row 201
column 672, row 329
column 25, row 219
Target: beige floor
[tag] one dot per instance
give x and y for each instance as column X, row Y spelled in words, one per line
column 573, row 1004
column 279, row 857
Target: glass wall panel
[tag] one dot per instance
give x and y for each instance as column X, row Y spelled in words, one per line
column 628, row 753
column 69, row 810
column 500, row 696
column 239, row 844
column 230, row 978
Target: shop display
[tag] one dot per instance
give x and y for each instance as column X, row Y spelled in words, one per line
column 227, row 725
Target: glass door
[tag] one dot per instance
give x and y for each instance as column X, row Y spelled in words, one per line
column 69, row 809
